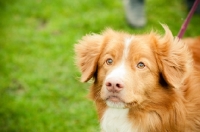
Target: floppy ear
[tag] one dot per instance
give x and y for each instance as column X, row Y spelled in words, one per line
column 87, row 53
column 173, row 57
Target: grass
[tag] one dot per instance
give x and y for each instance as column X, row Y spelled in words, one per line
column 39, row 83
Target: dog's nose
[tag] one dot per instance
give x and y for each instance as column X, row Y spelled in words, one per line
column 114, row 85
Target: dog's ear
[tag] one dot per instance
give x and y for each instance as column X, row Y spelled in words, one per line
column 173, row 57
column 87, row 53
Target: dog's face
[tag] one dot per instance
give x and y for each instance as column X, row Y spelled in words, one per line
column 130, row 70
column 127, row 70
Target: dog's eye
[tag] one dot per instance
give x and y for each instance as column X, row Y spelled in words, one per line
column 109, row 61
column 140, row 65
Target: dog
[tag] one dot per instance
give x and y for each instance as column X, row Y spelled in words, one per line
column 142, row 83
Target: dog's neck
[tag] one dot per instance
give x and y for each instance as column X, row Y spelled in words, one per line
column 116, row 120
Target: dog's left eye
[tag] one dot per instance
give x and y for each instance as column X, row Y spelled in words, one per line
column 140, row 65
column 109, row 61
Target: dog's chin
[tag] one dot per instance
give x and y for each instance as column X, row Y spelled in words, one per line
column 117, row 105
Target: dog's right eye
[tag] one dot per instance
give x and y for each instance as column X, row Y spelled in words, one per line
column 140, row 65
column 109, row 61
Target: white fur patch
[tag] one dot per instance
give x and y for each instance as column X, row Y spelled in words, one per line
column 118, row 72
column 116, row 120
column 126, row 48
column 117, row 105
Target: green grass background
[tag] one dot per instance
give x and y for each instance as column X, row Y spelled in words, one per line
column 39, row 83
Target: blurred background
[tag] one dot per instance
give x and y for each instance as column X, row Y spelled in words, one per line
column 39, row 82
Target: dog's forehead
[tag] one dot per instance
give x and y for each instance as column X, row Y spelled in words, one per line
column 128, row 45
column 140, row 45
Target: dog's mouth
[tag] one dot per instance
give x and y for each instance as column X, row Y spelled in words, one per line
column 116, row 102
column 114, row 99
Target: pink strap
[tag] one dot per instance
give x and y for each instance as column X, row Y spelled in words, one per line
column 187, row 20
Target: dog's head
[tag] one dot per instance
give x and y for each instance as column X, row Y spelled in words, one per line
column 131, row 69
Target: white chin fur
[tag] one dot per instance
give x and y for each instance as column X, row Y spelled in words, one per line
column 118, row 105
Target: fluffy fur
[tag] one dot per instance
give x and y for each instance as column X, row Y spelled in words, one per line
column 194, row 45
column 163, row 95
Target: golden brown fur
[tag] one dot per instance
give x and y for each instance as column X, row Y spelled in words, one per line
column 165, row 97
column 194, row 45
